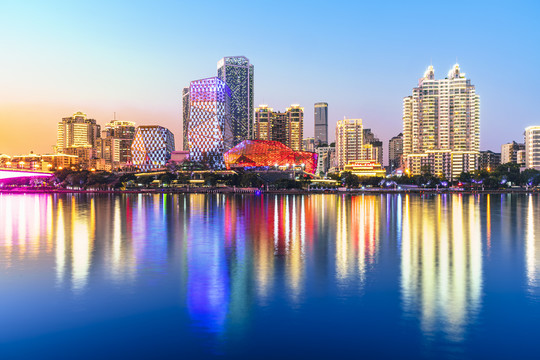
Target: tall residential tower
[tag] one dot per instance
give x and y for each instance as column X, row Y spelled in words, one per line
column 237, row 73
column 441, row 125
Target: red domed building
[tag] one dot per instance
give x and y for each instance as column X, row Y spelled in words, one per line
column 269, row 154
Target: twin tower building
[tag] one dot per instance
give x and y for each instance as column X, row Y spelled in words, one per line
column 218, row 111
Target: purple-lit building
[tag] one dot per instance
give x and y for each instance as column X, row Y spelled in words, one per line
column 210, row 133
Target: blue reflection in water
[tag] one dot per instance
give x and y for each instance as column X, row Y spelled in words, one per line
column 252, row 276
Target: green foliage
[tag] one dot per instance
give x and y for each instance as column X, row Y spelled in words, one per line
column 250, row 180
column 288, row 184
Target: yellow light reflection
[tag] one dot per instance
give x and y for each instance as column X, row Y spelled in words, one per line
column 442, row 264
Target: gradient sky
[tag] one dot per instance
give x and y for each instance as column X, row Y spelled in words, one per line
column 134, row 58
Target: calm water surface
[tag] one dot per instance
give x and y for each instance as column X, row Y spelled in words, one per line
column 319, row 276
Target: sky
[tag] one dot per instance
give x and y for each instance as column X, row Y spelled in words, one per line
column 362, row 58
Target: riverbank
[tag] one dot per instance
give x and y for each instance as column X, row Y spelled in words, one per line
column 256, row 191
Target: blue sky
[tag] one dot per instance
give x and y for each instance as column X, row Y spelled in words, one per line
column 134, row 57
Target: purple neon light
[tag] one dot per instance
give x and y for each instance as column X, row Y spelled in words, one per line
column 13, row 174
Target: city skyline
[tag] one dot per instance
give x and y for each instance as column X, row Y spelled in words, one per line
column 140, row 74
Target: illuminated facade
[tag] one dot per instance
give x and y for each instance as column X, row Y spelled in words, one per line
column 532, row 147
column 210, row 132
column 365, row 168
column 185, row 118
column 237, row 73
column 440, row 117
column 152, row 147
column 78, row 135
column 349, row 142
column 286, row 127
column 265, row 153
column 321, row 124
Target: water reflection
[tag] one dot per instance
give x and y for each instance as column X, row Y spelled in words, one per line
column 227, row 257
column 532, row 247
column 441, row 262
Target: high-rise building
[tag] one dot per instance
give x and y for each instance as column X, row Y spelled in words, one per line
column 78, row 135
column 489, row 160
column 264, row 117
column 210, row 132
column 185, row 118
column 509, row 152
column 532, row 147
column 349, row 142
column 395, row 152
column 295, row 115
column 152, row 147
column 237, row 73
column 441, row 125
column 76, row 131
column 321, row 124
column 286, row 127
column 114, row 146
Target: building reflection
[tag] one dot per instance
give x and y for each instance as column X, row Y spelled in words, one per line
column 357, row 235
column 532, row 248
column 441, row 262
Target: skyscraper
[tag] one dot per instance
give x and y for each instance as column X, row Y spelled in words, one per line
column 321, row 123
column 237, row 73
column 532, row 147
column 349, row 142
column 441, row 125
column 209, row 134
column 152, row 147
column 185, row 118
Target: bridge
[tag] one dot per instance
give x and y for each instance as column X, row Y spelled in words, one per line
column 10, row 173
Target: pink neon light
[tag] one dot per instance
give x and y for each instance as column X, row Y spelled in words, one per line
column 13, row 174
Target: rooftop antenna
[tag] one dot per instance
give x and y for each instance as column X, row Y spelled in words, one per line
column 115, row 115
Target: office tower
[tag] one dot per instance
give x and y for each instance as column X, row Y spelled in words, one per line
column 210, row 132
column 349, row 142
column 151, row 147
column 321, row 124
column 286, row 127
column 308, row 144
column 237, row 73
column 114, row 146
column 532, row 147
column 395, row 152
column 509, row 152
column 185, row 118
column 373, row 147
column 441, row 125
